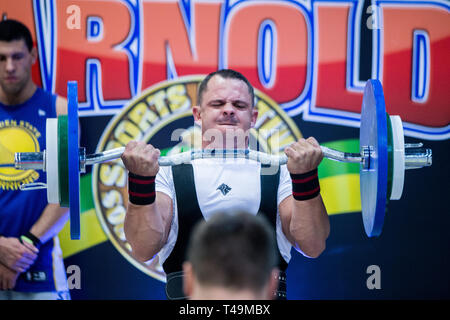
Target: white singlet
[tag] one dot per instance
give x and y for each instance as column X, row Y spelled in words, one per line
column 225, row 185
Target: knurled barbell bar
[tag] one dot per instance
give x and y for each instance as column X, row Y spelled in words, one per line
column 383, row 158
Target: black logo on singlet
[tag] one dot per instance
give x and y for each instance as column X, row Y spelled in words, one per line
column 224, row 188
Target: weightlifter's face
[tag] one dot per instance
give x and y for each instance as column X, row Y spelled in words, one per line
column 226, row 109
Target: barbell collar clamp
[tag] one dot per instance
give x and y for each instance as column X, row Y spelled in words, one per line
column 367, row 153
column 417, row 157
column 29, row 160
column 82, row 153
column 36, row 161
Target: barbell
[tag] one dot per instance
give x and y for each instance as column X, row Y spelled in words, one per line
column 383, row 159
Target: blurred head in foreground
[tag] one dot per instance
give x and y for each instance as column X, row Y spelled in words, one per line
column 231, row 256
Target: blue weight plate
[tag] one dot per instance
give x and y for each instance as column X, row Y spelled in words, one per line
column 74, row 159
column 373, row 182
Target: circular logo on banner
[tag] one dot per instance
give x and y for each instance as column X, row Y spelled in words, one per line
column 16, row 136
column 162, row 116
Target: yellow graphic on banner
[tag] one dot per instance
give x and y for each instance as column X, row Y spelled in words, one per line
column 16, row 136
column 92, row 234
column 340, row 194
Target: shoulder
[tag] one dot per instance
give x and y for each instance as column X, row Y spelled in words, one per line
column 165, row 171
column 61, row 105
column 164, row 179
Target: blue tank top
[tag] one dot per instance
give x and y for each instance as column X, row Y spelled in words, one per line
column 22, row 129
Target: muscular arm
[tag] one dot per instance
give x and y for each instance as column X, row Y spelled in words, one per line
column 147, row 226
column 305, row 224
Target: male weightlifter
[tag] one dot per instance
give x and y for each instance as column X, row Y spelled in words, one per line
column 164, row 204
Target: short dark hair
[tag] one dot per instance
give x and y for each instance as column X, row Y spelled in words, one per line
column 226, row 74
column 11, row 30
column 235, row 251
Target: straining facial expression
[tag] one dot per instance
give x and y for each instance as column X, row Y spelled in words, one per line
column 226, row 107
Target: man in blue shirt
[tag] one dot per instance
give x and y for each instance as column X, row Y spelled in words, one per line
column 31, row 265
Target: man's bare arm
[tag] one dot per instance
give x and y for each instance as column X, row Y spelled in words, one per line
column 305, row 224
column 147, row 226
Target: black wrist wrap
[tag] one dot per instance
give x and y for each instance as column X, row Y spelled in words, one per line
column 141, row 190
column 305, row 186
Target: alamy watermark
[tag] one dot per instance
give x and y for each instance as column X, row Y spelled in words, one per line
column 73, row 20
column 73, row 277
column 374, row 280
column 373, row 22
